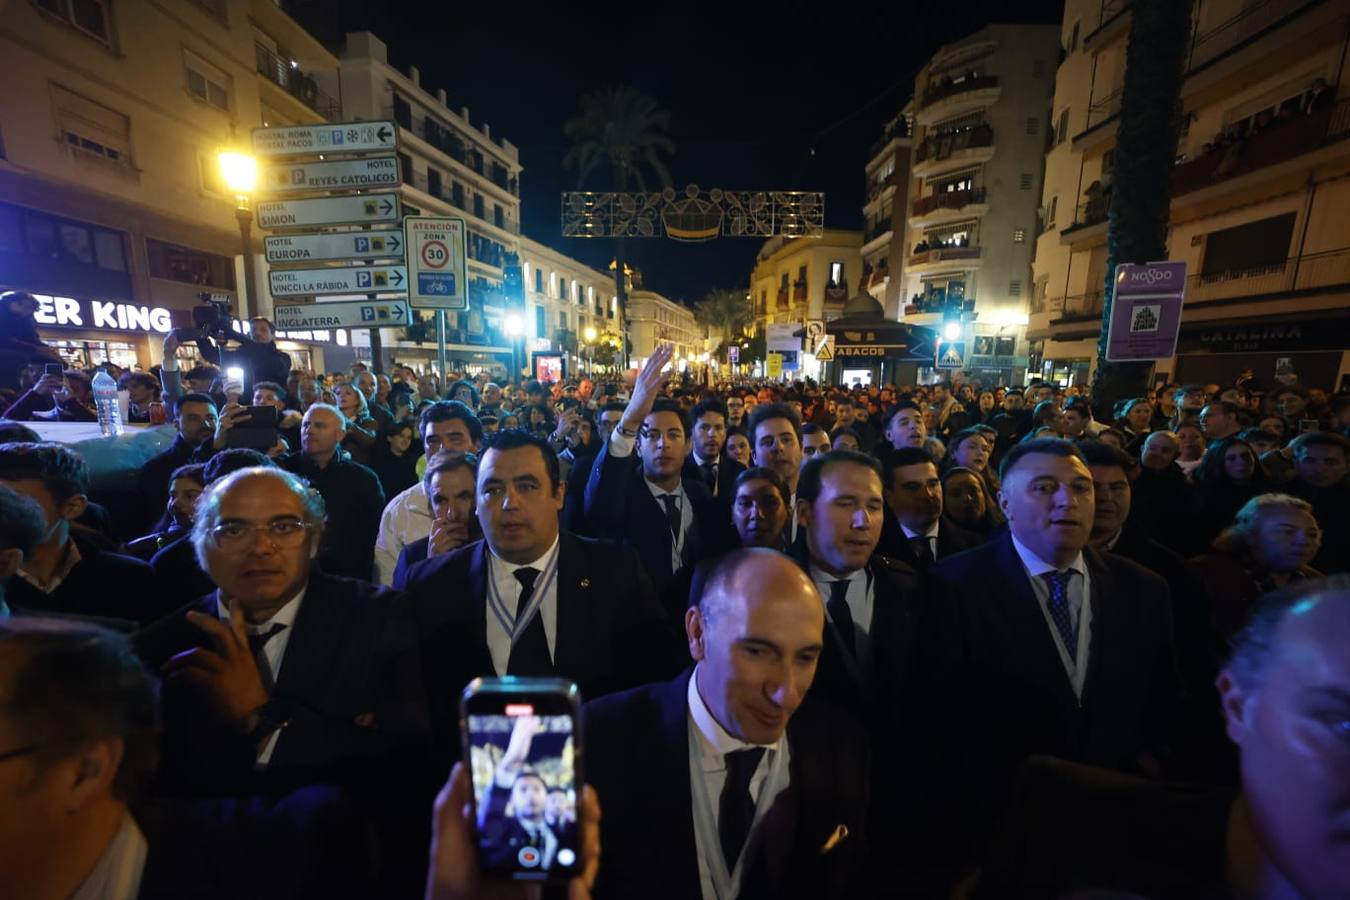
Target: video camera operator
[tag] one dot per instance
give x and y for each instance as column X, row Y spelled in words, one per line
column 257, row 355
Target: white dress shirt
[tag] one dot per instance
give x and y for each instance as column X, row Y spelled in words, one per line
column 717, row 469
column 117, row 874
column 621, row 445
column 274, row 651
column 931, row 534
column 406, row 519
column 508, row 588
column 715, row 743
column 860, row 603
column 1080, row 609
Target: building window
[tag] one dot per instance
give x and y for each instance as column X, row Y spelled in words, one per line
column 540, row 321
column 836, row 273
column 405, row 166
column 1050, row 212
column 562, row 319
column 478, row 205
column 1015, row 288
column 175, row 263
column 538, row 281
column 1025, row 181
column 33, row 233
column 498, row 215
column 1262, row 243
column 1019, row 235
column 457, row 194
column 402, row 111
column 1072, row 45
column 1033, row 125
column 433, row 182
column 206, row 82
column 89, row 16
column 91, row 130
column 1062, row 129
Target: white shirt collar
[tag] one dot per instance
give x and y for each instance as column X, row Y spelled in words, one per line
column 932, row 531
column 1036, row 566
column 658, row 492
column 118, row 871
column 703, row 462
column 820, row 576
column 506, row 568
column 284, row 616
column 714, row 738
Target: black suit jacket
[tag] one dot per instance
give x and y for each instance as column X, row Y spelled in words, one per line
column 102, row 585
column 611, row 633
column 951, row 539
column 727, row 472
column 637, row 757
column 1002, row 692
column 409, row 556
column 620, row 507
column 352, row 653
column 152, row 482
column 354, row 500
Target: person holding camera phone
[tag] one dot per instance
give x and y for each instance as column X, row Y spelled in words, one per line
column 58, row 396
column 257, row 355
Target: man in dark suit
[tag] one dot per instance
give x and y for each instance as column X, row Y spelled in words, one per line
column 706, row 460
column 196, row 418
column 530, row 599
column 449, row 484
column 915, row 531
column 670, row 520
column 723, row 783
column 352, row 493
column 69, row 572
column 1042, row 644
column 285, row 675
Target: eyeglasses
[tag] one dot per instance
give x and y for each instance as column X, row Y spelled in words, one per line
column 283, row 534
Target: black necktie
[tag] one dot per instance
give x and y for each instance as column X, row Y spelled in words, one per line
column 673, row 517
column 256, row 644
column 529, row 654
column 710, row 477
column 922, row 550
column 842, row 615
column 736, row 808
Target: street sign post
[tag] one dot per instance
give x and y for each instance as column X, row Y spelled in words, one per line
column 338, row 137
column 353, row 245
column 951, row 355
column 346, row 280
column 342, row 314
column 733, row 354
column 1146, row 311
column 331, row 175
column 825, row 352
column 437, row 269
column 815, row 330
column 365, row 209
column 773, row 365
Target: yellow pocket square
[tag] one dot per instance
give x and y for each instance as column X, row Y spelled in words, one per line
column 835, row 839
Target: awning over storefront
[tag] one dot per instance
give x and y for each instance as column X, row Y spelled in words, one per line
column 863, row 331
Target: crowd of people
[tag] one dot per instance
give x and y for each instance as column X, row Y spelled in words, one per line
column 904, row 640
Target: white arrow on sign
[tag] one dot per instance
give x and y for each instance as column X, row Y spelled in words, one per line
column 348, row 280
column 339, row 175
column 342, row 314
column 339, row 137
column 300, row 248
column 365, row 209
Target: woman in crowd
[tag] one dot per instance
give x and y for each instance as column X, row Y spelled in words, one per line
column 738, row 447
column 986, row 407
column 362, row 429
column 1113, row 436
column 971, row 449
column 465, row 392
column 1136, row 418
column 395, row 457
column 966, row 502
column 1228, row 476
column 1270, row 542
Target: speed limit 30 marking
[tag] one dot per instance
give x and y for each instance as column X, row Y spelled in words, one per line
column 435, row 255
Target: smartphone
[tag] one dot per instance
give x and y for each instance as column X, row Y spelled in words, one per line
column 257, row 432
column 1306, row 425
column 54, row 369
column 522, row 743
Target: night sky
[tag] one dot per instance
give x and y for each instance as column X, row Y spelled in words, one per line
column 784, row 96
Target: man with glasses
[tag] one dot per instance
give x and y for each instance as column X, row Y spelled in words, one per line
column 283, row 670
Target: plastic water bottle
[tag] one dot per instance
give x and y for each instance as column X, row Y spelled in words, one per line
column 105, row 398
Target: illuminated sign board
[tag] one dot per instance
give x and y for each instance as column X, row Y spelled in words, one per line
column 67, row 312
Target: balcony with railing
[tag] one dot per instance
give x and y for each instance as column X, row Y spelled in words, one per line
column 876, row 230
column 1109, row 18
column 454, row 145
column 953, row 87
column 443, row 190
column 938, row 147
column 923, row 258
column 953, row 201
column 1311, row 271
column 288, row 76
column 1078, row 306
column 1280, row 140
column 1239, row 29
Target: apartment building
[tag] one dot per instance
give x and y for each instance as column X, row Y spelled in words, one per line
column 654, row 319
column 981, row 117
column 885, row 211
column 564, row 298
column 805, row 278
column 113, row 211
column 1260, row 207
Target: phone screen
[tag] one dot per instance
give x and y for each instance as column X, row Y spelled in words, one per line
column 53, row 369
column 523, row 753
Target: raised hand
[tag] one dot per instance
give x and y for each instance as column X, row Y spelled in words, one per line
column 647, row 387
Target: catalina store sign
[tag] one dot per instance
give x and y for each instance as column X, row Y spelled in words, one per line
column 68, row 312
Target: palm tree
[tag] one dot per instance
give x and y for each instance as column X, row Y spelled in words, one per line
column 1146, row 147
column 622, row 129
column 726, row 311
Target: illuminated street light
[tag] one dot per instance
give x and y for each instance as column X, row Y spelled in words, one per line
column 590, row 334
column 951, row 331
column 514, row 325
column 239, row 171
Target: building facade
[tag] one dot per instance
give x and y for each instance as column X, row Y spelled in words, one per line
column 884, row 213
column 1260, row 207
column 112, row 208
column 981, row 118
column 564, row 299
column 805, row 278
column 654, row 319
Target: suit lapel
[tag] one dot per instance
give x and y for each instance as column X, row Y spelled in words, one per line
column 316, row 644
column 673, row 780
column 573, row 610
column 1102, row 586
column 1027, row 628
column 478, row 589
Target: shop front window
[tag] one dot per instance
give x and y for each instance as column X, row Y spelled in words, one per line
column 87, row 354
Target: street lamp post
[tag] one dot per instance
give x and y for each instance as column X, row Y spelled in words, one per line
column 590, row 335
column 240, row 173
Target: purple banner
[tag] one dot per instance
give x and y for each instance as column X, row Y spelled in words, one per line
column 1146, row 311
